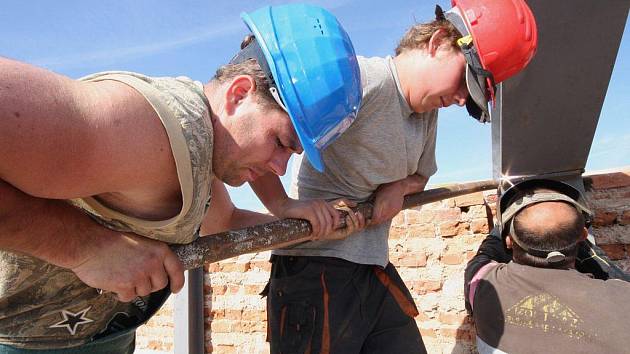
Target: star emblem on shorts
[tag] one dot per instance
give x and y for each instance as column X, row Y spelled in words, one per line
column 71, row 320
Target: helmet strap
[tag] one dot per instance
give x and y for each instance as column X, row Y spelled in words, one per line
column 472, row 58
column 253, row 51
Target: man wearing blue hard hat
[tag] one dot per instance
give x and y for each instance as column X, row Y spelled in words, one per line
column 99, row 174
column 350, row 297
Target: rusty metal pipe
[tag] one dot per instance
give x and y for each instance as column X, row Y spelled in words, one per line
column 282, row 233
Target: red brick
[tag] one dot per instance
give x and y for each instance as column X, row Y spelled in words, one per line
column 212, row 267
column 615, row 251
column 397, row 232
column 469, row 199
column 253, row 289
column 470, row 255
column 254, row 315
column 420, row 216
column 418, row 259
column 217, row 290
column 249, row 326
column 235, row 267
column 399, row 219
column 610, row 180
column 451, row 214
column 433, row 285
column 453, row 318
column 475, row 212
column 234, row 314
column 624, row 219
column 428, row 332
column 224, row 349
column 422, row 230
column 463, row 229
column 604, row 217
column 452, row 258
column 422, row 287
column 234, row 290
column 474, row 239
column 154, row 345
column 457, row 333
column 215, row 313
column 479, row 226
column 222, row 326
column 262, row 265
column 453, row 228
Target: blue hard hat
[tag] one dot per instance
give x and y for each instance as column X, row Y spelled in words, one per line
column 313, row 67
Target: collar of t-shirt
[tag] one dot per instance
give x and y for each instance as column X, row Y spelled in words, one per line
column 404, row 105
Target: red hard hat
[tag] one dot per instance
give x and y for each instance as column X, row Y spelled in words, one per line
column 504, row 35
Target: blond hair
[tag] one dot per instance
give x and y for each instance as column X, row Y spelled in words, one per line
column 418, row 36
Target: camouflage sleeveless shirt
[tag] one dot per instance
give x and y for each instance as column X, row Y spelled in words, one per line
column 43, row 306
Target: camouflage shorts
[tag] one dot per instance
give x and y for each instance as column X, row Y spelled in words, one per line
column 119, row 343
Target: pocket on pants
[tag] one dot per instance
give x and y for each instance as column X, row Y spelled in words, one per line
column 297, row 326
column 295, row 311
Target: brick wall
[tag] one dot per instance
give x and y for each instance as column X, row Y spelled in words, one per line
column 430, row 247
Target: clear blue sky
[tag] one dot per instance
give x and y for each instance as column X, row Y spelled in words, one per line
column 193, row 38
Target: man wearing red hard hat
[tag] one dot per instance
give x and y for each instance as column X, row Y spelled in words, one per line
column 492, row 55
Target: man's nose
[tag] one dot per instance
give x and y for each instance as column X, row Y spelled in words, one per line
column 278, row 162
column 460, row 98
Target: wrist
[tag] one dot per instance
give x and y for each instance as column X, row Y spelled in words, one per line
column 71, row 239
column 280, row 205
column 51, row 230
column 415, row 183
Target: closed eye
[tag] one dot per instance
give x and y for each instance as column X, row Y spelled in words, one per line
column 280, row 144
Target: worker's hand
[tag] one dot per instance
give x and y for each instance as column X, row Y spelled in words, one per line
column 355, row 221
column 128, row 265
column 388, row 201
column 324, row 218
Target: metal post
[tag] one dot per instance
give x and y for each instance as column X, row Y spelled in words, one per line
column 189, row 329
column 546, row 116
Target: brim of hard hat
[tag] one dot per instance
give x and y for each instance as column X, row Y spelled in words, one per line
column 477, row 103
column 312, row 152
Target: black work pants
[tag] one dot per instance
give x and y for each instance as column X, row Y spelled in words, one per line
column 329, row 305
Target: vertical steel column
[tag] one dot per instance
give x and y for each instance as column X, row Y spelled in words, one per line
column 545, row 117
column 189, row 331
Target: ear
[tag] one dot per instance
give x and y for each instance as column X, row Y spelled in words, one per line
column 584, row 234
column 435, row 41
column 508, row 242
column 241, row 88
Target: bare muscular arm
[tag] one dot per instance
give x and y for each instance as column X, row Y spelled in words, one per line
column 223, row 215
column 60, row 234
column 63, row 138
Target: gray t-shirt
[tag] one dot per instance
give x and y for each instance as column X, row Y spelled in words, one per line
column 386, row 143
